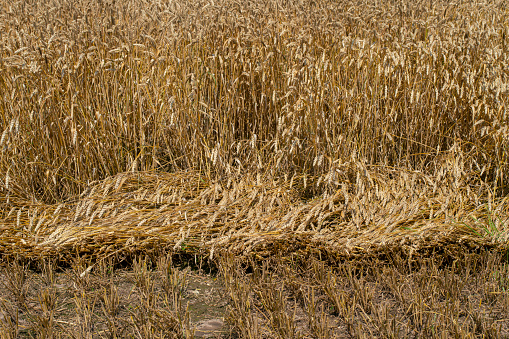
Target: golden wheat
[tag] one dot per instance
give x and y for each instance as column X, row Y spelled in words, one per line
column 201, row 125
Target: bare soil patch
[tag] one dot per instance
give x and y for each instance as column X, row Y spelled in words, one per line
column 281, row 297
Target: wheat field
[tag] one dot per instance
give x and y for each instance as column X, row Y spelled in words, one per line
column 339, row 127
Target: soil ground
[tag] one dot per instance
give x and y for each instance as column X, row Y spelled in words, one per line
column 463, row 297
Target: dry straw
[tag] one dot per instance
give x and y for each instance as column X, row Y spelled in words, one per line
column 209, row 125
